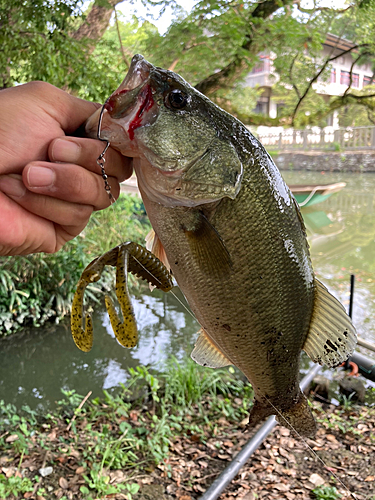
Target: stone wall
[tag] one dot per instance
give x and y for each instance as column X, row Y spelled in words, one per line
column 348, row 161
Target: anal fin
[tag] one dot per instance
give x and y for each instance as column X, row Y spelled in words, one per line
column 206, row 353
column 332, row 336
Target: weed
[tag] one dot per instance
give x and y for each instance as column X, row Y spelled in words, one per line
column 159, row 440
column 326, row 493
column 370, row 396
column 186, row 383
column 14, row 486
column 132, row 488
column 143, row 376
column 99, row 482
column 347, row 401
column 36, row 288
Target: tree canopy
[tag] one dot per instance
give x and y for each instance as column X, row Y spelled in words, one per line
column 87, row 51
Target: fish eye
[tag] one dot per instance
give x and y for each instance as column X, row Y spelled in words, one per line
column 177, row 99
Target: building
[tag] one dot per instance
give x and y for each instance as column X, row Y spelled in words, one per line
column 264, row 75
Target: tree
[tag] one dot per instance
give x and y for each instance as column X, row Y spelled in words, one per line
column 35, row 40
column 228, row 37
column 213, row 47
column 53, row 40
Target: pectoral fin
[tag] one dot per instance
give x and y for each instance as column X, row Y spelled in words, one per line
column 206, row 353
column 207, row 247
column 332, row 336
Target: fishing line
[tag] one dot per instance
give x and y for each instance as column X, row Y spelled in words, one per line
column 170, row 291
column 101, row 163
column 313, row 452
column 308, row 447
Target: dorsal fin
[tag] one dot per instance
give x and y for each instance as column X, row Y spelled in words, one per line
column 332, row 336
column 206, row 353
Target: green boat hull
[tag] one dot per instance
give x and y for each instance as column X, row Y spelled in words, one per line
column 315, row 198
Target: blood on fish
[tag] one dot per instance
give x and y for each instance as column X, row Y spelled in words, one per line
column 148, row 102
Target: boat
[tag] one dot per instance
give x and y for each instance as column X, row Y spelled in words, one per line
column 305, row 194
column 310, row 194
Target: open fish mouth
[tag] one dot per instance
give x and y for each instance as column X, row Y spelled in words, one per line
column 138, row 73
column 152, row 117
column 131, row 105
column 133, row 87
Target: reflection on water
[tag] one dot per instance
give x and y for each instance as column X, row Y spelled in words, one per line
column 34, row 366
column 341, row 231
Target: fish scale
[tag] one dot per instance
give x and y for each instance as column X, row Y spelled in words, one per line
column 230, row 230
column 234, row 304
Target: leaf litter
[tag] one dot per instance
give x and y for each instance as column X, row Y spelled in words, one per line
column 194, row 454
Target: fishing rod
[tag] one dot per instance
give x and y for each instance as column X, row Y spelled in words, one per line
column 366, row 367
column 230, row 472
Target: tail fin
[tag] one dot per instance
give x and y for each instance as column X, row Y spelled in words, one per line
column 298, row 418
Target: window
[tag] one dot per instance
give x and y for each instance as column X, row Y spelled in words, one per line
column 333, row 75
column 263, row 65
column 262, row 105
column 367, row 80
column 344, row 77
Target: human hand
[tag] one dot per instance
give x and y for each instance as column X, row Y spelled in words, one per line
column 44, row 204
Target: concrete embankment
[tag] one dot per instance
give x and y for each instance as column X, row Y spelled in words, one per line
column 348, row 161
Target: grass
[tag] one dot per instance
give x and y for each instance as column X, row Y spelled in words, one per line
column 326, row 493
column 127, row 431
column 40, row 287
column 101, row 447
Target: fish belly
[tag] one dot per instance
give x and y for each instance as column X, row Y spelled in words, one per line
column 258, row 311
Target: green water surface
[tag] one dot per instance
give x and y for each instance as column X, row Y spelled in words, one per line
column 34, row 365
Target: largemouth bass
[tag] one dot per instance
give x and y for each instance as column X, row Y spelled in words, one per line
column 232, row 234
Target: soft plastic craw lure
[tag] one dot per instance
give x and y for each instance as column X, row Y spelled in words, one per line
column 127, row 257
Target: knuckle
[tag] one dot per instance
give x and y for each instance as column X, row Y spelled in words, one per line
column 78, row 183
column 81, row 214
column 39, row 87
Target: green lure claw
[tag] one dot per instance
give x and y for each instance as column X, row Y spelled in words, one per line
column 127, row 257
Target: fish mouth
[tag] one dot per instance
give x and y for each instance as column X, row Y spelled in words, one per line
column 125, row 97
column 131, row 106
column 138, row 73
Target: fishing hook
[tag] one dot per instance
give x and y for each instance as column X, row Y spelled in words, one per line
column 101, row 160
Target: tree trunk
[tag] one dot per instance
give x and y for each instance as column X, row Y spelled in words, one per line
column 228, row 75
column 96, row 22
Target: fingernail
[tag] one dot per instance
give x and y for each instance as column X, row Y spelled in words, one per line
column 66, row 151
column 12, row 186
column 40, row 177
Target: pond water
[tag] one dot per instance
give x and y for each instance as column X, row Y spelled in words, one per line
column 34, row 365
